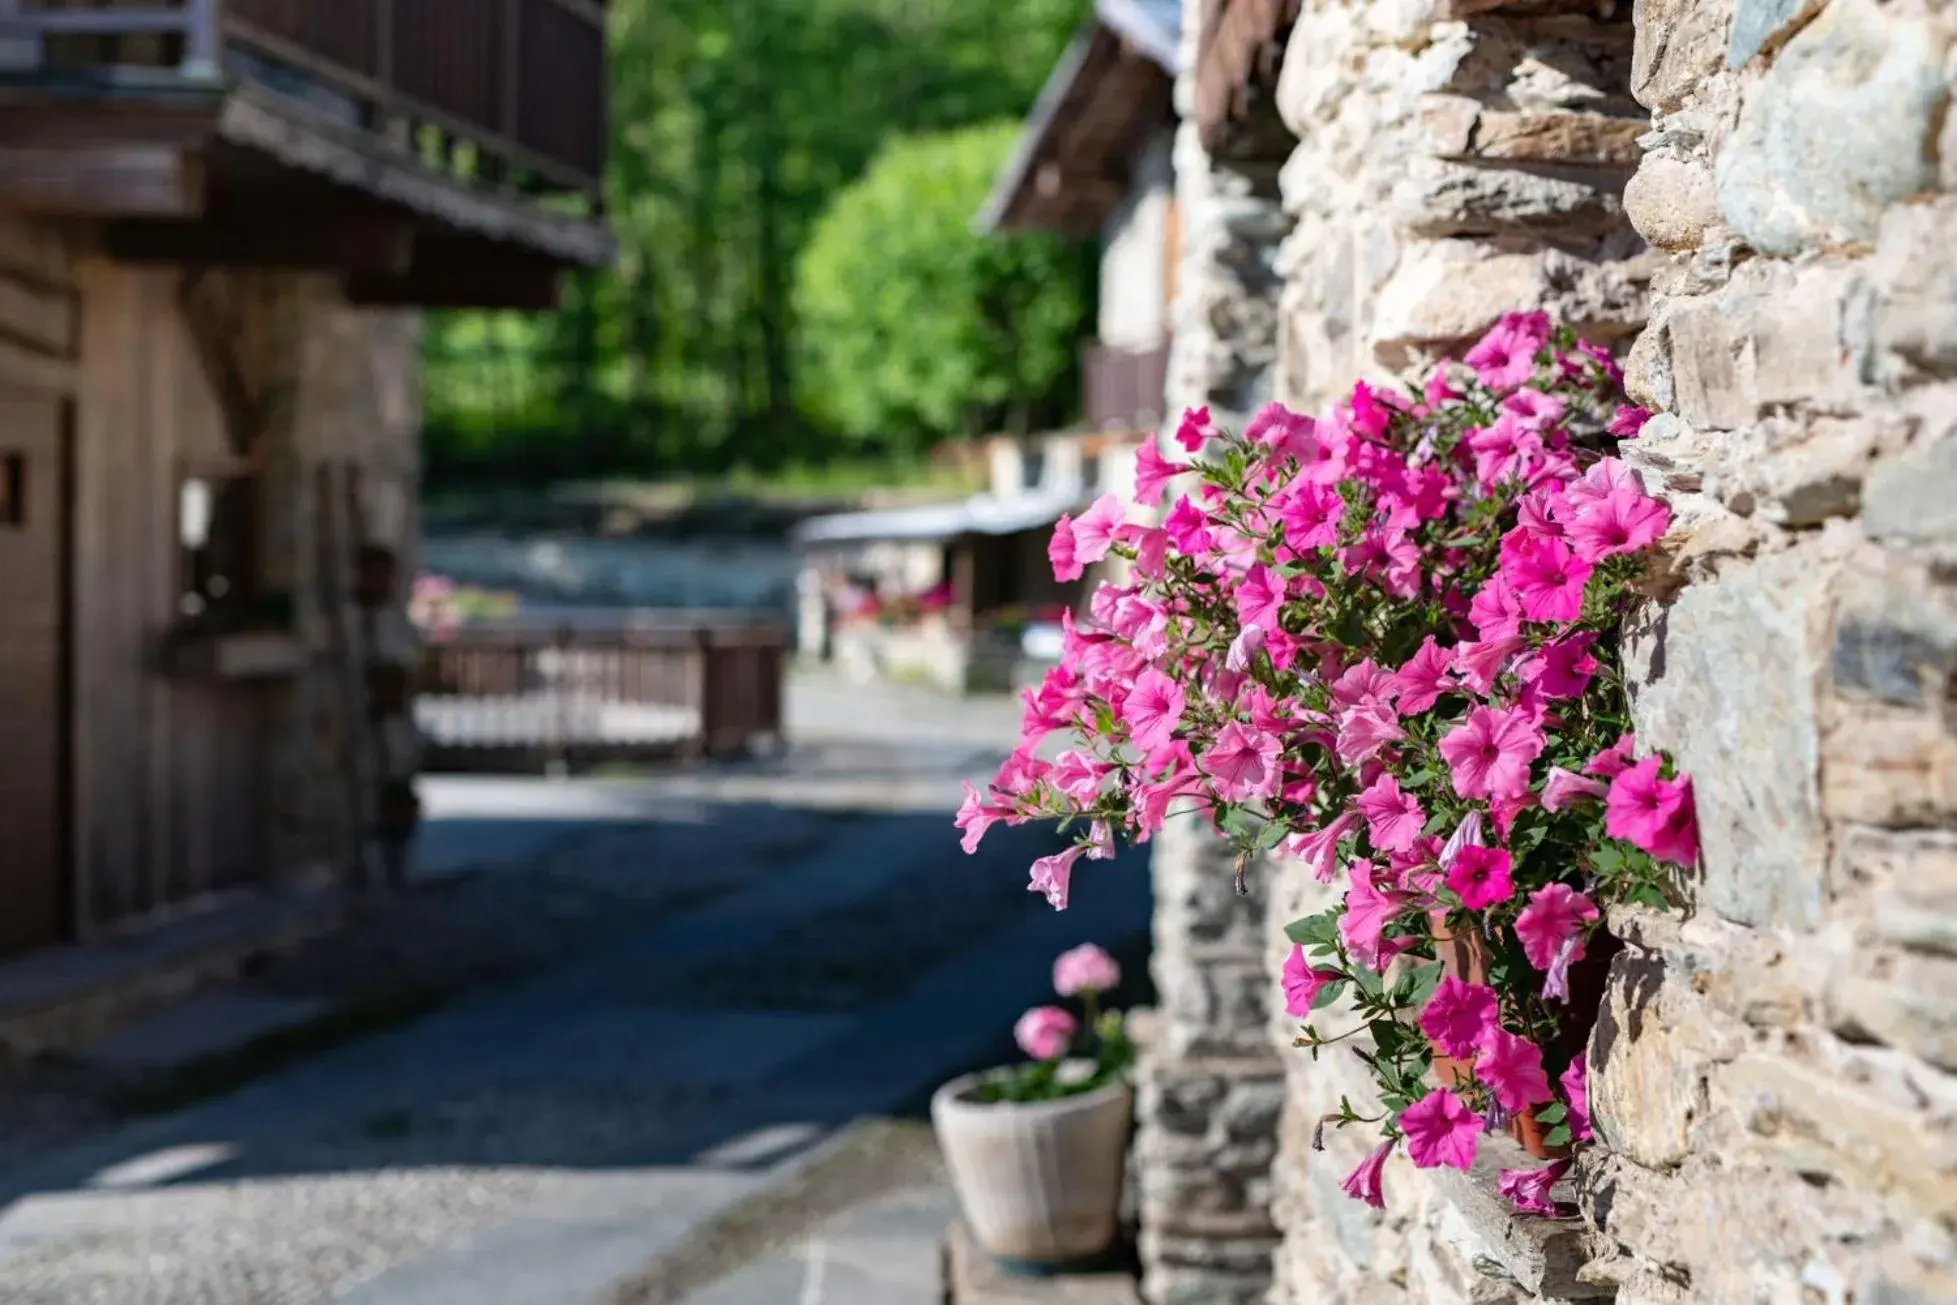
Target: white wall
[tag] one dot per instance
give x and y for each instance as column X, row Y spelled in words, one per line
column 1135, row 257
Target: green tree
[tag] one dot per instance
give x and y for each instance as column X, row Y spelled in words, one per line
column 914, row 326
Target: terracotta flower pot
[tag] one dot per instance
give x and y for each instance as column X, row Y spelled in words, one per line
column 1039, row 1181
column 1466, row 958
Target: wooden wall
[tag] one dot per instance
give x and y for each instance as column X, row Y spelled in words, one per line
column 171, row 772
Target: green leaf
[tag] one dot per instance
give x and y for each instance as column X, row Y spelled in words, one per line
column 1328, row 994
column 1312, row 929
column 1554, row 1113
column 1557, row 1136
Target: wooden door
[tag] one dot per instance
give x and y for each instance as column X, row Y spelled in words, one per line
column 34, row 500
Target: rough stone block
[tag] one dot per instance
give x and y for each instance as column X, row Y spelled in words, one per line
column 1439, row 198
column 1568, row 139
column 1911, row 1003
column 1654, row 1044
column 1912, row 497
column 1251, row 1109
column 1887, row 766
column 1841, row 127
column 1750, row 741
column 1710, row 364
column 1680, row 43
column 1758, row 24
column 1914, row 275
column 1806, row 1119
column 1670, row 201
column 1896, row 641
column 1916, row 885
column 1817, row 475
column 1542, row 1256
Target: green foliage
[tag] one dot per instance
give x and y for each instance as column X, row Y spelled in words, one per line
column 734, row 126
column 915, row 324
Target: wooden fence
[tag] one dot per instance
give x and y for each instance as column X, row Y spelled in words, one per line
column 521, row 696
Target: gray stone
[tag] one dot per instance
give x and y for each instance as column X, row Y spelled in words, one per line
column 1895, row 644
column 1839, row 129
column 1542, row 1256
column 1440, row 198
column 1758, row 23
column 1912, row 1006
column 1680, row 43
column 1916, row 900
column 1912, row 498
column 1914, row 308
column 1252, row 1109
column 1670, row 201
column 1749, row 739
column 1649, row 1054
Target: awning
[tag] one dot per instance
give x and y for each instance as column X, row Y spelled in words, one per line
column 981, row 515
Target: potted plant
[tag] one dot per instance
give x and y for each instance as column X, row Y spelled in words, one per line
column 1381, row 647
column 1036, row 1150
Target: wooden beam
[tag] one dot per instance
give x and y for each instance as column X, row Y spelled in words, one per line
column 331, row 241
column 525, row 288
column 23, row 369
column 109, row 181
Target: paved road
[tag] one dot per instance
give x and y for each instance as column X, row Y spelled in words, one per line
column 541, row 1143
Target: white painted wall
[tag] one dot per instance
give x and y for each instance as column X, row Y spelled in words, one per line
column 1135, row 258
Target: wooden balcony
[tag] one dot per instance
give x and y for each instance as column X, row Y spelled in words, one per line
column 479, row 119
column 1123, row 388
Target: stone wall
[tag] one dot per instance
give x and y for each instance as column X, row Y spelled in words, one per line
column 1771, row 1074
column 1210, row 1085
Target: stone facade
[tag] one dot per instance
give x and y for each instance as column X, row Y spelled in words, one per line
column 1210, row 1086
column 1763, row 182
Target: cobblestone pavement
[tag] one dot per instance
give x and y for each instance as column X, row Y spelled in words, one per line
column 705, row 973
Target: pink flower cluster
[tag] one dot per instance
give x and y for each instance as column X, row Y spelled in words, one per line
column 1383, row 644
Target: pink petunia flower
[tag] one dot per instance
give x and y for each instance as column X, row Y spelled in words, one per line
column 1242, row 763
column 1441, row 1130
column 1244, row 648
column 1259, row 597
column 1496, row 610
column 1502, row 452
column 1361, row 683
column 1534, row 409
column 1479, row 876
column 1151, row 551
column 1466, row 834
column 1365, row 729
column 1045, row 1032
column 1302, row 982
column 1439, row 389
column 1051, row 874
column 1153, row 710
column 1078, row 776
column 1623, row 521
column 1195, row 429
column 1085, row 968
column 1311, row 514
column 975, row 816
column 1420, row 683
column 1605, row 477
column 1628, row 420
column 1490, row 753
column 1506, row 357
column 1393, row 818
column 1369, row 909
column 1060, row 551
column 1511, row 1066
column 1562, row 668
column 1479, row 663
column 1562, row 789
column 1612, row 760
column 1363, row 1184
column 1653, row 812
column 1319, row 848
column 1457, row 1015
column 1548, row 580
column 1188, row 529
column 1575, row 1082
column 1153, row 472
column 1528, row 1189
column 1094, row 532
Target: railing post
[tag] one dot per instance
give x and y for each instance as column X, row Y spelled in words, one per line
column 201, row 41
column 706, row 689
column 512, row 66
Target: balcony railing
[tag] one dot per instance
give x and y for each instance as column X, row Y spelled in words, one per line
column 1123, row 388
column 500, row 91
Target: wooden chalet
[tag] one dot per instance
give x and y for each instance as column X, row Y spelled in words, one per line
column 217, row 219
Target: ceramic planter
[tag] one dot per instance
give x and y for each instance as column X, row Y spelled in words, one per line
column 1039, row 1181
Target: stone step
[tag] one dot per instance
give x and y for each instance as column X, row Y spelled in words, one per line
column 214, row 1024
column 972, row 1278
